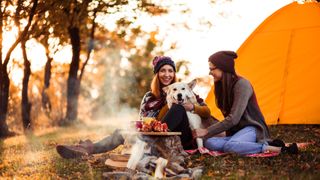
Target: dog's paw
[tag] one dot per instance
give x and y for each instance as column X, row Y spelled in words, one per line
column 203, row 150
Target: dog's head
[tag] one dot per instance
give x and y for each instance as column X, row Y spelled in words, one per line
column 180, row 92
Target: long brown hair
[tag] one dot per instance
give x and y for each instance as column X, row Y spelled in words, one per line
column 156, row 85
column 223, row 91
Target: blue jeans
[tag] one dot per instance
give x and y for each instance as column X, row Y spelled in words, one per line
column 243, row 142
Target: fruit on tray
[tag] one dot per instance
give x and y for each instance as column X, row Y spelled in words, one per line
column 159, row 127
column 148, row 120
column 151, row 125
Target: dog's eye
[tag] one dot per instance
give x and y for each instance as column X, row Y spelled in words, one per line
column 183, row 88
column 174, row 89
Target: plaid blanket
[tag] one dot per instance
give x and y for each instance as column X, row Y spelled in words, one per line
column 266, row 154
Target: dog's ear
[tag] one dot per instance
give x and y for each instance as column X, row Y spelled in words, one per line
column 192, row 84
column 166, row 89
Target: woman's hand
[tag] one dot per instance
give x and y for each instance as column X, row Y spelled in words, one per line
column 188, row 106
column 199, row 133
column 174, row 101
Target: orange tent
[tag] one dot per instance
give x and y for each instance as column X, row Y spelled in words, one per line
column 281, row 59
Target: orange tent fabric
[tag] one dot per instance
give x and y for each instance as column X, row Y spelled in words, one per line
column 281, row 59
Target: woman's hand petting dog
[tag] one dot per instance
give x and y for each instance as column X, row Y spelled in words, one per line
column 188, row 106
column 199, row 133
column 174, row 101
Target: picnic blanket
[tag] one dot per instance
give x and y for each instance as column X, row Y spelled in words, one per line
column 266, row 154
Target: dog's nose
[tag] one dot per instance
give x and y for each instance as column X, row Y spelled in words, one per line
column 179, row 96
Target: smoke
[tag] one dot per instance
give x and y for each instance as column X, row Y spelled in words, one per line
column 107, row 89
column 136, row 154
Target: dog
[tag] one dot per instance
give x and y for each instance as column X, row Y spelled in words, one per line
column 181, row 93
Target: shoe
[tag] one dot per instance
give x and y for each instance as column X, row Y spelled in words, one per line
column 84, row 148
column 277, row 143
column 291, row 149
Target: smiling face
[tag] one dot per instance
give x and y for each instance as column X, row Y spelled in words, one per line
column 166, row 75
column 215, row 72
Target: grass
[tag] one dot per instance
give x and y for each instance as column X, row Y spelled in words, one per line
column 33, row 156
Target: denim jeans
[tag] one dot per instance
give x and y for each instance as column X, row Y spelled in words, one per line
column 108, row 143
column 243, row 142
column 177, row 120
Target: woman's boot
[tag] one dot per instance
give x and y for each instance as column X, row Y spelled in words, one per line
column 84, row 148
column 291, row 149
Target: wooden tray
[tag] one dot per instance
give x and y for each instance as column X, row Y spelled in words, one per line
column 160, row 133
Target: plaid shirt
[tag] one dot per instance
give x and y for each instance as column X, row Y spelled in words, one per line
column 147, row 112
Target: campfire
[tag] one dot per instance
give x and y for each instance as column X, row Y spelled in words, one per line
column 156, row 153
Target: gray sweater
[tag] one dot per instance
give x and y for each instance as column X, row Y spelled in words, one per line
column 244, row 112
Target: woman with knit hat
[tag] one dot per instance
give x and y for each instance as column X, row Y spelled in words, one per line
column 154, row 105
column 154, row 102
column 244, row 124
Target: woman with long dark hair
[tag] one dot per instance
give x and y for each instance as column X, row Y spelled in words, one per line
column 244, row 124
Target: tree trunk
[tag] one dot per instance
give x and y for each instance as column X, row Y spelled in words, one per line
column 25, row 104
column 73, row 86
column 4, row 78
column 4, row 97
column 4, row 89
column 46, row 103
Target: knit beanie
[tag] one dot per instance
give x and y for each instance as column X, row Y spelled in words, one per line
column 160, row 61
column 224, row 60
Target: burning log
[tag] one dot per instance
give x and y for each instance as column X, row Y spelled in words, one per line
column 161, row 164
column 145, row 165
